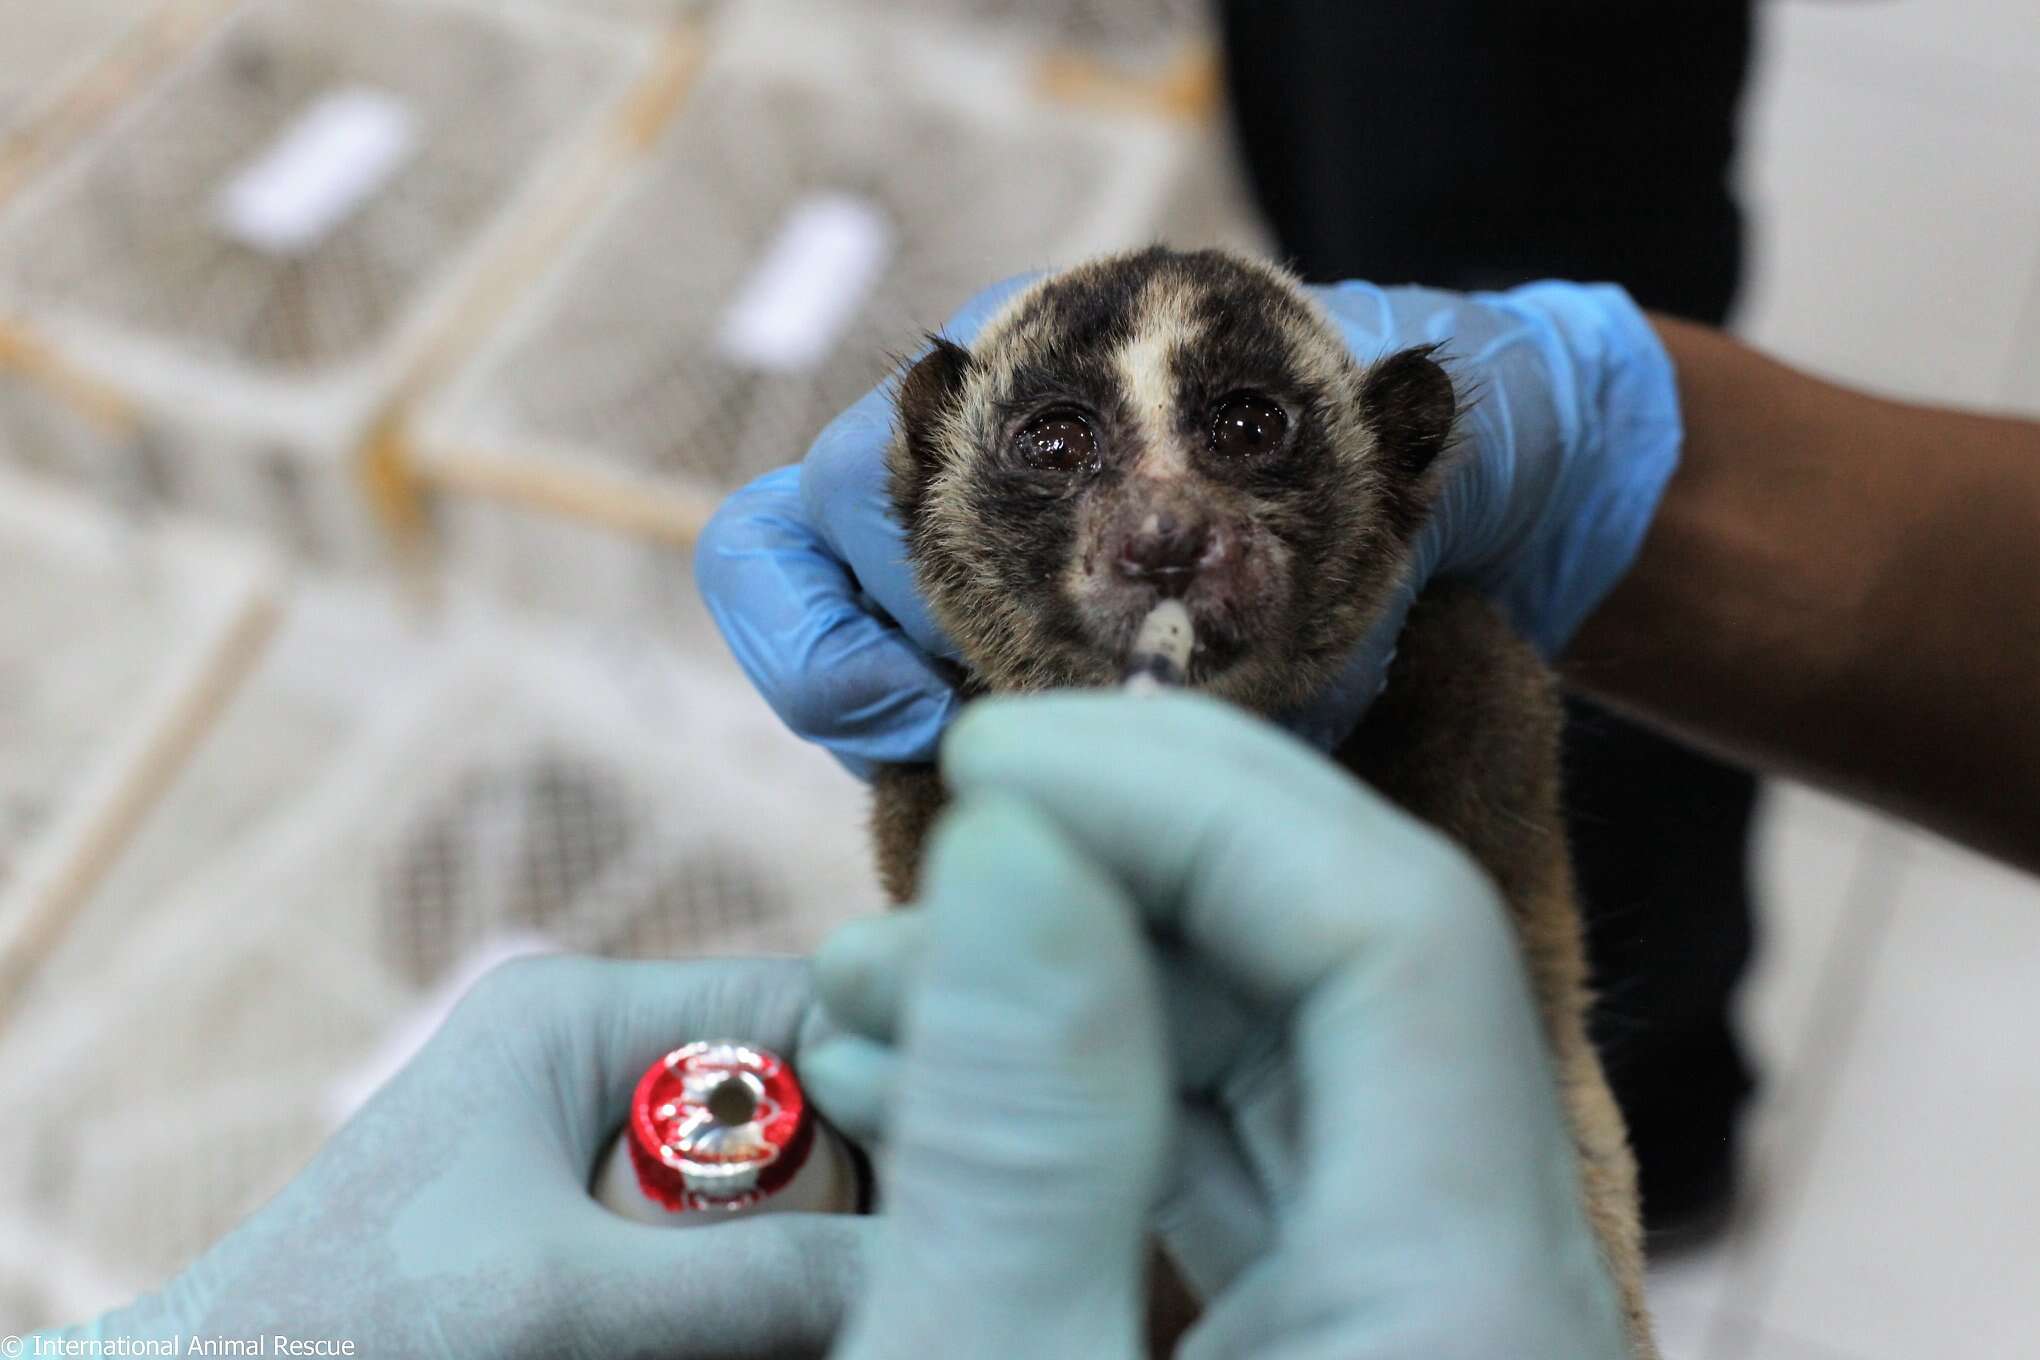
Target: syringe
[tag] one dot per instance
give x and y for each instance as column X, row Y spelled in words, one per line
column 1160, row 658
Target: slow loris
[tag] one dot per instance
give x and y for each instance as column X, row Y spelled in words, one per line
column 1192, row 426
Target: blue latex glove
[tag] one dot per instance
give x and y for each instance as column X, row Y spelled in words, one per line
column 1569, row 437
column 451, row 1217
column 1372, row 1160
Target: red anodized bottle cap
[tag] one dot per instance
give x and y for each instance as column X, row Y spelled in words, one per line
column 718, row 1125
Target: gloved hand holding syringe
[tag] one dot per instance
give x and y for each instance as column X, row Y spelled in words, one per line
column 1127, row 1003
column 1013, row 1042
column 1162, row 650
column 721, row 1127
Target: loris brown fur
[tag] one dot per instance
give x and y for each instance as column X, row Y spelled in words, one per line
column 1192, row 425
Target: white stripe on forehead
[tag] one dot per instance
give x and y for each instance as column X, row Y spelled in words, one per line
column 1163, row 324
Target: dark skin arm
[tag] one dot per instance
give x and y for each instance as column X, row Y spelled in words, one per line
column 1841, row 588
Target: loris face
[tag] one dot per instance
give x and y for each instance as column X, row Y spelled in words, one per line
column 1164, row 425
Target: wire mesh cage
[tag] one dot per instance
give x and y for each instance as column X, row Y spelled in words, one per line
column 50, row 47
column 333, row 865
column 68, row 672
column 60, row 441
column 118, row 648
column 1125, row 29
column 258, row 252
column 64, row 66
column 662, row 13
column 652, row 835
column 830, row 192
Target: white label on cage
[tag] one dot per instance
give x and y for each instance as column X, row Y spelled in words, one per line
column 809, row 283
column 323, row 167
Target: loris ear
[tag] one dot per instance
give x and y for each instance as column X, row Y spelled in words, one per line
column 1411, row 406
column 927, row 395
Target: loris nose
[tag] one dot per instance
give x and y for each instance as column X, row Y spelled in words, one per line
column 1166, row 552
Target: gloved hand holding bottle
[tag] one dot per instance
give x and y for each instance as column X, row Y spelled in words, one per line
column 452, row 1218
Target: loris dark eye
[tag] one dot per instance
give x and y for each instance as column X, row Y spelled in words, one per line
column 1247, row 425
column 1060, row 441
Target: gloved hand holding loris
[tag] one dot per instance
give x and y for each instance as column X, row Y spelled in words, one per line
column 1568, row 430
column 1197, row 430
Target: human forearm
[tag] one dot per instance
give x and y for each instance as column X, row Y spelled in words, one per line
column 1841, row 587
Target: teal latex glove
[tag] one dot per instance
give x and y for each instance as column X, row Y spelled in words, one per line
column 1372, row 1160
column 451, row 1217
column 1571, row 433
column 1033, row 1112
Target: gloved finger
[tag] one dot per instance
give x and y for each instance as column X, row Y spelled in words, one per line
column 1365, row 317
column 1330, row 718
column 1304, row 889
column 864, row 972
column 1217, row 1207
column 586, row 1029
column 1208, row 1024
column 833, row 671
column 1376, row 321
column 845, row 488
column 1272, row 864
column 819, row 1027
column 854, row 1082
column 853, row 1089
column 1215, row 1214
column 845, row 495
column 865, row 968
column 1431, row 1114
column 771, row 1284
column 1440, row 1211
column 1261, row 1091
column 1216, row 1217
column 1459, row 1150
column 1038, row 991
column 1557, row 382
column 1033, row 1112
column 976, row 314
column 1256, row 1316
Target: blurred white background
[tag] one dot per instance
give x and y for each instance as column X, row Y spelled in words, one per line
column 1895, row 1193
column 365, row 369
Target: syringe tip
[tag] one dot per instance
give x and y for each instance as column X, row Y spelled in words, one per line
column 1160, row 658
